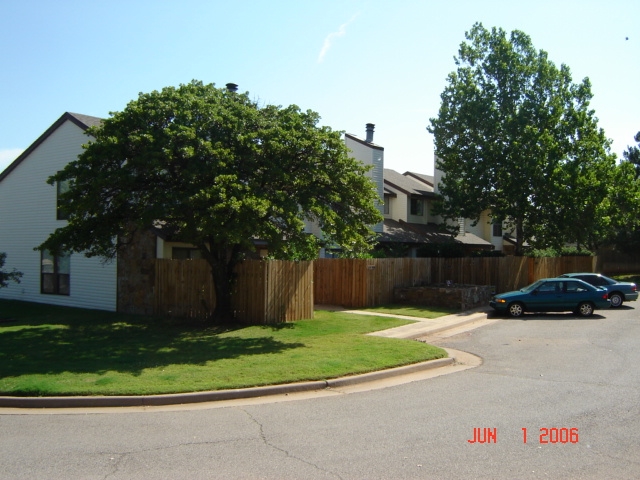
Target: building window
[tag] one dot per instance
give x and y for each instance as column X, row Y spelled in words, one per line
column 497, row 228
column 182, row 253
column 417, row 207
column 387, row 199
column 55, row 273
column 61, row 187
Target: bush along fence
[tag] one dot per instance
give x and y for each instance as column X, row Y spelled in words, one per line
column 274, row 291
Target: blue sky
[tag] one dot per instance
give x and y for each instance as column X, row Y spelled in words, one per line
column 353, row 61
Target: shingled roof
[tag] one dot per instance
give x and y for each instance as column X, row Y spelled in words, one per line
column 417, row 233
column 421, row 177
column 407, row 184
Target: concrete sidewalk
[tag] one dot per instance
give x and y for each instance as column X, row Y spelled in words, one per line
column 418, row 329
column 421, row 327
column 424, row 327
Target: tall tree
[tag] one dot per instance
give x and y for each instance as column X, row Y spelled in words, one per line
column 625, row 202
column 632, row 154
column 217, row 170
column 514, row 135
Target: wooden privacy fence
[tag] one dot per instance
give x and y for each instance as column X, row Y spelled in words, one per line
column 357, row 283
column 611, row 262
column 183, row 288
column 279, row 291
column 552, row 267
column 274, row 291
column 265, row 291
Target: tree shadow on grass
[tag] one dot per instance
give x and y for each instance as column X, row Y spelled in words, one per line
column 87, row 341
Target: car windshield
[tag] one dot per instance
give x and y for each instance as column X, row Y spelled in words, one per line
column 532, row 287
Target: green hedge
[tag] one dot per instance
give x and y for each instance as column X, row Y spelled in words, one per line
column 563, row 252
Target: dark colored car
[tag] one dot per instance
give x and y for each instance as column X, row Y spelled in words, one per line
column 619, row 292
column 553, row 295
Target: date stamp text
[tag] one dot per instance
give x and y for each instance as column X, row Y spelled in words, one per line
column 543, row 435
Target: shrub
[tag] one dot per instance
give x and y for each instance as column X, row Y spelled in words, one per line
column 6, row 277
column 575, row 252
column 487, row 253
column 554, row 252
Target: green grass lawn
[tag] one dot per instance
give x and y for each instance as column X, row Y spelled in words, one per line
column 49, row 351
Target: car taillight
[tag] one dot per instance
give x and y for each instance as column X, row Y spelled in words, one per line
column 634, row 288
column 605, row 296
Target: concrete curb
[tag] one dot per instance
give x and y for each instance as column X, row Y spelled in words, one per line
column 391, row 372
column 212, row 396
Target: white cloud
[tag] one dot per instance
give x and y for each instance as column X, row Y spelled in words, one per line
column 8, row 156
column 328, row 41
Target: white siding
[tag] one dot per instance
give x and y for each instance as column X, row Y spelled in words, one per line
column 400, row 208
column 360, row 152
column 423, row 219
column 28, row 216
column 377, row 175
column 483, row 229
column 437, row 175
column 371, row 157
column 498, row 243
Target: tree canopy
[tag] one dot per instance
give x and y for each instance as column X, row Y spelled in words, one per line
column 632, row 154
column 217, row 170
column 515, row 136
column 625, row 202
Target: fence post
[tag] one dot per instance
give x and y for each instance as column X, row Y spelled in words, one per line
column 531, row 269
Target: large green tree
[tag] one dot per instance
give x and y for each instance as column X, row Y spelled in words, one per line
column 632, row 154
column 515, row 136
column 217, row 170
column 624, row 206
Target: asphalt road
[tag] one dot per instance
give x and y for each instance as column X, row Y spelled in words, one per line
column 577, row 378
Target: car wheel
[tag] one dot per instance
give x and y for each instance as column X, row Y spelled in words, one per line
column 616, row 299
column 516, row 310
column 585, row 309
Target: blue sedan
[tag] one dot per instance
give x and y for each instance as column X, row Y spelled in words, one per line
column 618, row 291
column 553, row 295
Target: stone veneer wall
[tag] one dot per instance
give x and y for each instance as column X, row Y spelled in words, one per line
column 460, row 297
column 136, row 275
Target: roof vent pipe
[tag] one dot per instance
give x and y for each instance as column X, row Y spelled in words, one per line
column 370, row 127
column 232, row 87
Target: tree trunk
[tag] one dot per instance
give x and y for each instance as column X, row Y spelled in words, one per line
column 223, row 283
column 223, row 261
column 519, row 237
